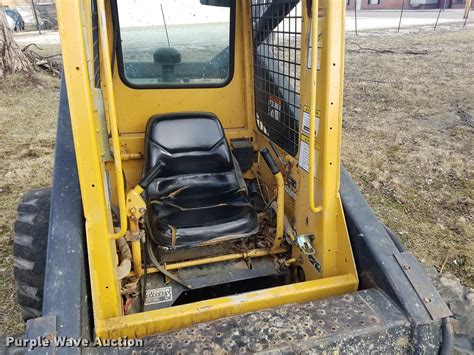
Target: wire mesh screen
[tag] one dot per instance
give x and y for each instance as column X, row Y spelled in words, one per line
column 277, row 51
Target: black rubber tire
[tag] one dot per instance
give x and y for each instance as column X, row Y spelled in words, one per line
column 29, row 250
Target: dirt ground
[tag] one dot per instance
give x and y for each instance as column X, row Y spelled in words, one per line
column 408, row 135
column 407, row 141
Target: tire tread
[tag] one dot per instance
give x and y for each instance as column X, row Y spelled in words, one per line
column 29, row 250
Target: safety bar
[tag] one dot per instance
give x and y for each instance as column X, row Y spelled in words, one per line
column 253, row 253
column 108, row 84
column 312, row 115
column 280, row 197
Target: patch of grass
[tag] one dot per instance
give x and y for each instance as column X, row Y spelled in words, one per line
column 408, row 141
column 28, row 114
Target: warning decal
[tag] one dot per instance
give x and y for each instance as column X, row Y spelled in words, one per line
column 304, row 140
column 305, row 126
column 304, row 155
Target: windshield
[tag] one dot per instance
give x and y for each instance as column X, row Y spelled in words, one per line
column 174, row 43
column 12, row 14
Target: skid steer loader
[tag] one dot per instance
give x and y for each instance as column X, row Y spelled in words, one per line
column 198, row 200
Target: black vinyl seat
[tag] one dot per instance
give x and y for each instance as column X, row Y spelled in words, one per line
column 199, row 198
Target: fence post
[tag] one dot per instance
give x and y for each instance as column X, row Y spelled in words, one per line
column 439, row 13
column 36, row 16
column 467, row 8
column 401, row 14
column 467, row 14
column 355, row 16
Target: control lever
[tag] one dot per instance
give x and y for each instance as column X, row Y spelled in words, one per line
column 151, row 175
column 280, row 197
column 275, row 150
column 270, row 161
column 136, row 206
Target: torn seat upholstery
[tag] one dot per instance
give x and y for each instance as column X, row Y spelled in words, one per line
column 199, row 198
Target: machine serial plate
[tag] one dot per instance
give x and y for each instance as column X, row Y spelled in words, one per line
column 159, row 295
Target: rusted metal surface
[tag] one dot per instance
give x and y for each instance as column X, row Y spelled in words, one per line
column 363, row 321
column 429, row 296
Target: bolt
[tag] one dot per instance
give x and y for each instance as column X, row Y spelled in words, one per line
column 142, row 210
column 133, row 210
column 427, row 300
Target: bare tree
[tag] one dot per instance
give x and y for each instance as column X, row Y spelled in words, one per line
column 12, row 59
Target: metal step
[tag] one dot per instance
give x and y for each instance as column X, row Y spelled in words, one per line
column 363, row 321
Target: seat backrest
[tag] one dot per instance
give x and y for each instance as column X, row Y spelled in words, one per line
column 188, row 143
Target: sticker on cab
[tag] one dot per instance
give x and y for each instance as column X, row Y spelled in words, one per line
column 305, row 125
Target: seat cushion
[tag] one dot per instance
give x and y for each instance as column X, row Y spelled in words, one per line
column 201, row 221
column 200, row 197
column 192, row 186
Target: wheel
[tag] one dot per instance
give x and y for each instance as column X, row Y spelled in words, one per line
column 29, row 250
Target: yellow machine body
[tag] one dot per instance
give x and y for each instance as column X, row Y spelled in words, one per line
column 109, row 123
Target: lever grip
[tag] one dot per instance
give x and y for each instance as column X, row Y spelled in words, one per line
column 270, row 161
column 151, row 175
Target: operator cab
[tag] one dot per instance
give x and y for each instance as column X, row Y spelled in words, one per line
column 202, row 226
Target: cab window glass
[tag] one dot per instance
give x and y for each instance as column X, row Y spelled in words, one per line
column 175, row 42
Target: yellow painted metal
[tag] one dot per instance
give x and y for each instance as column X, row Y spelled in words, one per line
column 329, row 239
column 136, row 246
column 331, row 128
column 135, row 208
column 290, row 261
column 312, row 116
column 132, row 156
column 135, row 204
column 102, row 255
column 329, row 86
column 253, row 253
column 137, row 258
column 168, row 319
column 234, row 105
column 346, row 263
column 108, row 86
column 280, row 211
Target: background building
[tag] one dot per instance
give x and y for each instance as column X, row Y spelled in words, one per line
column 409, row 4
